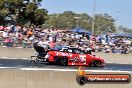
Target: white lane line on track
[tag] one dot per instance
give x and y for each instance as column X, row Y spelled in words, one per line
column 4, row 57
column 13, row 58
column 63, row 70
column 24, row 58
column 72, row 70
column 6, row 67
column 49, row 69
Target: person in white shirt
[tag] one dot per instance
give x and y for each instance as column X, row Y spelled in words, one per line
column 5, row 33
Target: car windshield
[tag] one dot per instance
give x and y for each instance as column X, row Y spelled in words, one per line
column 78, row 51
column 58, row 47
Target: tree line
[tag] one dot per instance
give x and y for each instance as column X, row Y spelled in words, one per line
column 24, row 12
column 70, row 20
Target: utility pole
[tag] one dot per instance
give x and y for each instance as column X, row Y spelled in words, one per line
column 93, row 21
column 117, row 18
column 34, row 1
column 77, row 21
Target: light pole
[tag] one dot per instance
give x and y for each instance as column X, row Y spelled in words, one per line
column 116, row 23
column 34, row 1
column 77, row 22
column 93, row 21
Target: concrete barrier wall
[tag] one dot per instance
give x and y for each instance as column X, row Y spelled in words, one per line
column 36, row 79
column 16, row 52
column 11, row 78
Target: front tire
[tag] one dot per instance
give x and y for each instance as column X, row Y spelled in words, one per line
column 96, row 63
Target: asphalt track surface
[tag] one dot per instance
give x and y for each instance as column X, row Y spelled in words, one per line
column 25, row 63
column 116, row 62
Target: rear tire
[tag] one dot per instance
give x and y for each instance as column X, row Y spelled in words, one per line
column 64, row 61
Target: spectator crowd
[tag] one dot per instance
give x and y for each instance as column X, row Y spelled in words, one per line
column 18, row 36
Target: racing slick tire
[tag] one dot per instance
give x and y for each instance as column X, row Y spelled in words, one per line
column 96, row 63
column 64, row 61
column 61, row 61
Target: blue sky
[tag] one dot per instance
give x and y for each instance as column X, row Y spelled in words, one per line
column 115, row 8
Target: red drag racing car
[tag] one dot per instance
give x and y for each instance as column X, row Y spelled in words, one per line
column 74, row 56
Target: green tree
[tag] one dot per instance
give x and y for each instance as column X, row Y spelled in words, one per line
column 67, row 20
column 40, row 16
column 85, row 21
column 104, row 23
column 124, row 29
column 19, row 12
